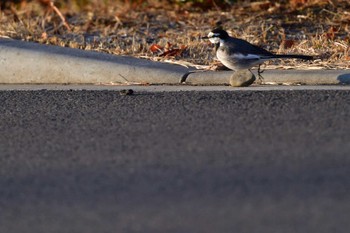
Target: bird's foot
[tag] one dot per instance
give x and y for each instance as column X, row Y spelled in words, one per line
column 260, row 77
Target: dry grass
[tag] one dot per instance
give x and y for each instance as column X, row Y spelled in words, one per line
column 171, row 32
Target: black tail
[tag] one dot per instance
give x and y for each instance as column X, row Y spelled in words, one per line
column 283, row 56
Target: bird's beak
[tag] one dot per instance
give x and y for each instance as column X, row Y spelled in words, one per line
column 204, row 37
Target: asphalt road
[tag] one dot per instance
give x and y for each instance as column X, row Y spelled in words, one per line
column 242, row 161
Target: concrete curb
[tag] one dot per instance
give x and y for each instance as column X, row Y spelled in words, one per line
column 307, row 77
column 32, row 63
column 138, row 89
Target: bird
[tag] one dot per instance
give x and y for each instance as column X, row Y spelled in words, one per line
column 237, row 54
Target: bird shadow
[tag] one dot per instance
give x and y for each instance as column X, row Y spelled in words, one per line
column 344, row 78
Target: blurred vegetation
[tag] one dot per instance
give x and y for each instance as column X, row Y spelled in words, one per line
column 200, row 4
column 170, row 30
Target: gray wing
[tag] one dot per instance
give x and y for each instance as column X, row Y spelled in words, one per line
column 241, row 46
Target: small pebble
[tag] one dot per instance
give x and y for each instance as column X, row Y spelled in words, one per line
column 126, row 92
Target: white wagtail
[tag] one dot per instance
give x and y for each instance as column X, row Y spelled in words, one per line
column 237, row 54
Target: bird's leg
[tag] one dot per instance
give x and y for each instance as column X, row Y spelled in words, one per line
column 260, row 77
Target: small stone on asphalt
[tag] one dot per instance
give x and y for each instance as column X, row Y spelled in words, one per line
column 126, row 92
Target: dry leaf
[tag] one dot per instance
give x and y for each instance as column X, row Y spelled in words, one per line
column 288, row 44
column 154, row 48
column 44, row 36
column 173, row 52
column 258, row 6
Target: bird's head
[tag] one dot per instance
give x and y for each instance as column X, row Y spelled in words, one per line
column 216, row 35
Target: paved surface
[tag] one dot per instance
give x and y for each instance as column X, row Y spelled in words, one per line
column 229, row 161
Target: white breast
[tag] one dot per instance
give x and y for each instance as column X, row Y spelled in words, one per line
column 237, row 61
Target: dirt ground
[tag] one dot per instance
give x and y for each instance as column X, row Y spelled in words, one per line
column 171, row 32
